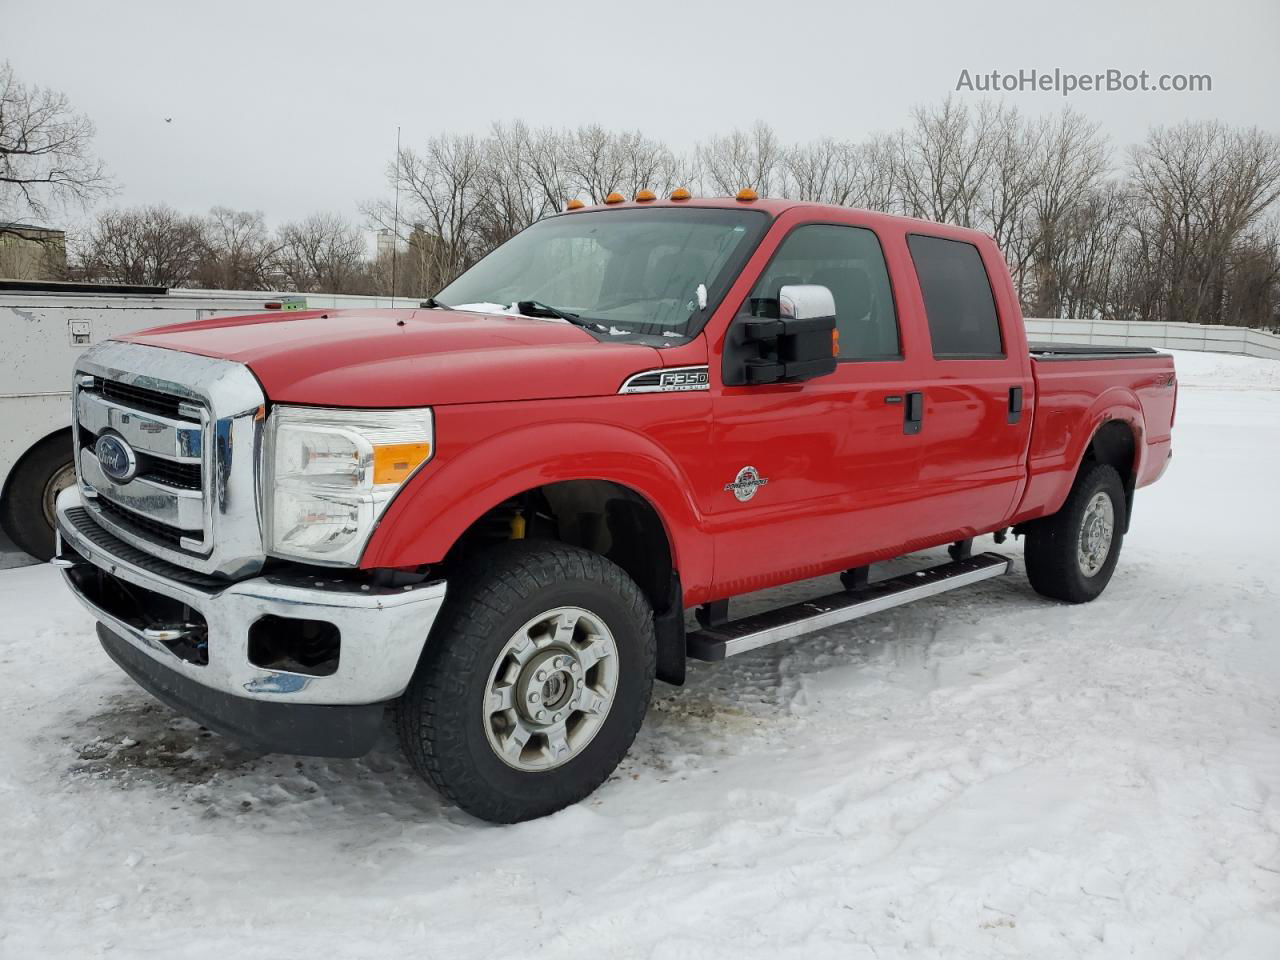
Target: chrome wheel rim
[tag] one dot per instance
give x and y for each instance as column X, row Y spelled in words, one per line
column 62, row 478
column 550, row 689
column 1096, row 532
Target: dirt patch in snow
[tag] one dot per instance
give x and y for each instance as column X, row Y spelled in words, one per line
column 143, row 740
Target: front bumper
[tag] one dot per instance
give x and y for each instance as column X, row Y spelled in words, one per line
column 381, row 634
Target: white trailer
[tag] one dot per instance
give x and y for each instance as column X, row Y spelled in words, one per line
column 41, row 334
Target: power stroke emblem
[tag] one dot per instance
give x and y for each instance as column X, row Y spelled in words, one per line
column 115, row 457
column 746, row 483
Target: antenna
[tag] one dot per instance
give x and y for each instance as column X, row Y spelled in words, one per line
column 395, row 230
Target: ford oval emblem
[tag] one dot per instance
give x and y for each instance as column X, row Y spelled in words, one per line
column 115, row 457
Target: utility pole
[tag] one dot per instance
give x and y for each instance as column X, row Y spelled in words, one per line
column 395, row 230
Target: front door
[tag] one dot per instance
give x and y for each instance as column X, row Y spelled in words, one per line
column 818, row 474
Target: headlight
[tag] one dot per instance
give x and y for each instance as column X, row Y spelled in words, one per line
column 331, row 473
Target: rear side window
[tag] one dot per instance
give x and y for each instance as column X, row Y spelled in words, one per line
column 957, row 298
column 847, row 261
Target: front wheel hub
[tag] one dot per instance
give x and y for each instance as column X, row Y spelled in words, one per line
column 550, row 689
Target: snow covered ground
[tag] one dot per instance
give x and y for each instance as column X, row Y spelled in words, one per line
column 986, row 775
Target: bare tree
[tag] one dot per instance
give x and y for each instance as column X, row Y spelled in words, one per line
column 239, row 251
column 744, row 158
column 597, row 162
column 547, row 167
column 1203, row 186
column 444, row 191
column 46, row 158
column 824, row 171
column 943, row 160
column 154, row 245
column 1068, row 168
column 322, row 254
column 876, row 184
column 513, row 194
column 1005, row 196
column 1252, row 287
column 1176, row 238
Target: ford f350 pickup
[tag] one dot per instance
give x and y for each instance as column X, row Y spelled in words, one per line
column 492, row 513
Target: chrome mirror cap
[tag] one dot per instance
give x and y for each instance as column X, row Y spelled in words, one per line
column 805, row 301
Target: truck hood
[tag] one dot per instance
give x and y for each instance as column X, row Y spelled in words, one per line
column 403, row 358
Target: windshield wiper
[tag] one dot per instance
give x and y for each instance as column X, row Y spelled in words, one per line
column 431, row 303
column 535, row 308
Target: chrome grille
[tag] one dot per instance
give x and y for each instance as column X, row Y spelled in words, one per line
column 173, row 473
column 145, row 399
column 149, row 503
column 191, row 430
column 161, row 532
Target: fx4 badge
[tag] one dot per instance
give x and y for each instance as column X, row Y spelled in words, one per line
column 745, row 485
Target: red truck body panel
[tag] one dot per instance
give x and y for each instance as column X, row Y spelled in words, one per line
column 1075, row 398
column 520, row 403
column 409, row 358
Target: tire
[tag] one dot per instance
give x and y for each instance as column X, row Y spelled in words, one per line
column 451, row 721
column 27, row 512
column 1059, row 563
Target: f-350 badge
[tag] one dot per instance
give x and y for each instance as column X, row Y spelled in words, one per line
column 746, row 483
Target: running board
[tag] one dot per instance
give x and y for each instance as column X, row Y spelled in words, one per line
column 784, row 623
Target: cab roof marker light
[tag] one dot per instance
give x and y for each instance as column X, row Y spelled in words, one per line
column 644, row 196
column 680, row 193
column 746, row 195
column 574, row 204
column 614, row 197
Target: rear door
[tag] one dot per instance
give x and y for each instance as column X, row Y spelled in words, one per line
column 977, row 412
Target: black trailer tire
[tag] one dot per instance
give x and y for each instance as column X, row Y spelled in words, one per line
column 1072, row 554
column 479, row 687
column 27, row 512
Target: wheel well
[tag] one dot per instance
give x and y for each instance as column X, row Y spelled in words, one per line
column 1114, row 444
column 605, row 518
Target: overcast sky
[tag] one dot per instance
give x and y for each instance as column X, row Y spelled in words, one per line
column 291, row 107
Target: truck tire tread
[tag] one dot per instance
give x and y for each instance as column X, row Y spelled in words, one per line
column 22, row 512
column 434, row 717
column 1051, row 547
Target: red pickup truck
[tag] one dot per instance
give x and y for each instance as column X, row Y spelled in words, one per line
column 492, row 513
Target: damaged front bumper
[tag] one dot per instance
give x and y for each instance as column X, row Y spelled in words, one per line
column 285, row 662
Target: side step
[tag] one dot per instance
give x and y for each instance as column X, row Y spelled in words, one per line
column 784, row 623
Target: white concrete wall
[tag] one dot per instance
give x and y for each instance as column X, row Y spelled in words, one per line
column 1172, row 336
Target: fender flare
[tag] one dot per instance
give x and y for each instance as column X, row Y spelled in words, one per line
column 437, row 505
column 1113, row 404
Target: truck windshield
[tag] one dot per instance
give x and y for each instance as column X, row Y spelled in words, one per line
column 654, row 271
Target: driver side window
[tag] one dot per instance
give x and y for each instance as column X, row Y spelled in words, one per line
column 847, row 261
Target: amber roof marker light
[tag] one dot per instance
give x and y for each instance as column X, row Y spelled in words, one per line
column 680, row 193
column 746, row 195
column 644, row 196
column 614, row 197
column 574, row 205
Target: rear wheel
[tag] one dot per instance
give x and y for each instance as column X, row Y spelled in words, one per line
column 27, row 514
column 1071, row 555
column 534, row 682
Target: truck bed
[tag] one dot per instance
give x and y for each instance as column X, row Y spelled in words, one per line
column 1080, row 388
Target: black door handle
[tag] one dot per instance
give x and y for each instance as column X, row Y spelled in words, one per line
column 1015, row 404
column 913, row 413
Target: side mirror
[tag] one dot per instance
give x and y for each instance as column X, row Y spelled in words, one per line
column 795, row 340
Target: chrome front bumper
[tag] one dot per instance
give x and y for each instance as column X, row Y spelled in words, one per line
column 382, row 630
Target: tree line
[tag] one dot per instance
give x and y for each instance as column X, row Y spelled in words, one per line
column 1182, row 226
